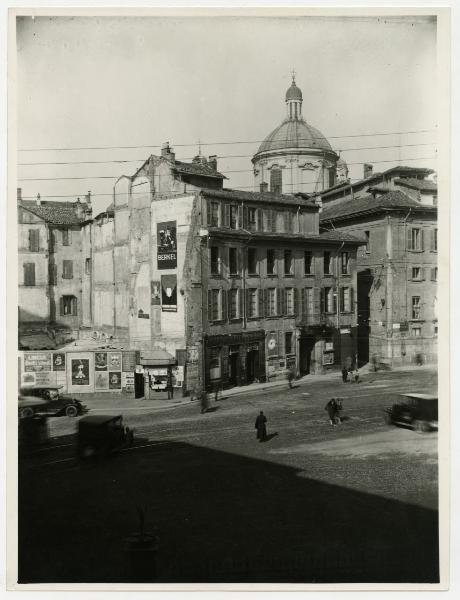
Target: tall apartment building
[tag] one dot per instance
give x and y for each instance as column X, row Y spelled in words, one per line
column 396, row 211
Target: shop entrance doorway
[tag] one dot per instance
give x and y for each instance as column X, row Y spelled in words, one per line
column 233, row 367
column 306, row 347
column 252, row 359
column 138, row 385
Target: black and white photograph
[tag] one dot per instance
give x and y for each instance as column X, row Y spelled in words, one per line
column 231, row 265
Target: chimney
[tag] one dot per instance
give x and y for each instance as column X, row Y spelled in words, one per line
column 79, row 209
column 367, row 170
column 87, row 197
column 167, row 152
column 212, row 162
column 264, row 186
column 38, row 200
column 19, row 194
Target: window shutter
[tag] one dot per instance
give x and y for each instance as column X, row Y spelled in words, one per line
column 245, row 218
column 239, row 224
column 240, row 260
column 341, row 299
column 422, row 247
column 423, row 274
column 323, row 301
column 208, row 213
column 226, row 303
column 265, row 302
column 61, row 305
column 352, row 299
column 227, row 215
column 240, row 303
column 334, row 300
column 303, row 301
column 209, row 305
column 246, row 299
column 281, row 344
column 260, row 298
column 409, row 238
column 74, row 306
column 279, row 301
column 296, row 301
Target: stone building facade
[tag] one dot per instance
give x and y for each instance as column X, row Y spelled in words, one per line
column 396, row 212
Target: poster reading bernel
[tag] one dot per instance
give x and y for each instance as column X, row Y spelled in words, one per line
column 167, row 245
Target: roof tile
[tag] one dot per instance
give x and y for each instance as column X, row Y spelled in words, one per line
column 57, row 213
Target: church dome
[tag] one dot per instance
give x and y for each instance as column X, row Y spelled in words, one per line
column 294, row 133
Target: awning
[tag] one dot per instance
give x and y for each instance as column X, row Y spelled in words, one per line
column 157, row 358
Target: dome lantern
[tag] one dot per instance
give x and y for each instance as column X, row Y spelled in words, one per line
column 294, row 100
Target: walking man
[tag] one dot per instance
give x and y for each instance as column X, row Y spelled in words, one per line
column 344, row 374
column 332, row 411
column 261, row 426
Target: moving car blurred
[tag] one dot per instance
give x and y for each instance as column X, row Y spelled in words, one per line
column 99, row 435
column 418, row 411
column 28, row 405
column 54, row 403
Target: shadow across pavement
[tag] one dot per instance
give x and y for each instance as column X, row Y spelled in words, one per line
column 220, row 517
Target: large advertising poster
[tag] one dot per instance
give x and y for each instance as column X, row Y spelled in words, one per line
column 80, row 371
column 166, row 245
column 114, row 361
column 155, row 293
column 169, row 293
column 100, row 361
column 59, row 361
column 37, row 361
column 102, row 380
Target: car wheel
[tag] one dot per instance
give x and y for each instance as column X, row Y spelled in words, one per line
column 71, row 410
column 26, row 412
column 421, row 427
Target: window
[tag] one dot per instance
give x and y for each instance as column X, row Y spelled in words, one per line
column 88, row 266
column 67, row 269
column 270, row 262
column 270, row 216
column 252, row 261
column 233, row 304
column 415, row 239
column 329, row 300
column 345, row 263
column 68, row 306
column 416, row 273
column 308, row 301
column 252, row 303
column 327, row 264
column 66, row 237
column 271, row 302
column 367, row 235
column 215, row 260
column 416, row 331
column 289, row 301
column 233, row 261
column 34, row 240
column 435, row 330
column 252, row 219
column 416, row 307
column 307, row 262
column 233, row 216
column 345, row 299
column 215, row 305
column 288, row 264
column 434, row 274
column 213, row 214
column 29, row 273
column 434, row 240
column 276, row 181
column 288, row 345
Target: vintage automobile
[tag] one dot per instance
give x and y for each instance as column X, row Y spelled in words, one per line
column 55, row 403
column 418, row 411
column 99, row 435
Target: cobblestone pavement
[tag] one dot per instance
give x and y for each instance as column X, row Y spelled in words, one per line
column 354, row 502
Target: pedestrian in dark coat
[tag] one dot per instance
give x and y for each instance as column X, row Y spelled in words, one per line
column 344, row 374
column 261, row 426
column 332, row 410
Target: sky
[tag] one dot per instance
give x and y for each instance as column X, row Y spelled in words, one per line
column 93, row 82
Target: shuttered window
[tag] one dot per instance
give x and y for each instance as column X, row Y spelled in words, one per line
column 235, row 304
column 415, row 239
column 288, row 342
column 329, row 300
column 271, row 302
column 308, row 263
column 252, row 219
column 289, row 301
column 67, row 269
column 253, row 303
column 276, row 181
column 416, row 307
column 215, row 305
column 233, row 261
column 345, row 299
column 252, row 261
column 434, row 240
column 327, row 262
column 213, row 213
column 271, row 262
column 34, row 240
column 288, row 263
column 214, row 259
column 308, row 302
column 29, row 274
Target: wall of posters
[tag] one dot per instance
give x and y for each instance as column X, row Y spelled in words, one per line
column 80, row 371
column 169, row 293
column 58, row 361
column 166, row 245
